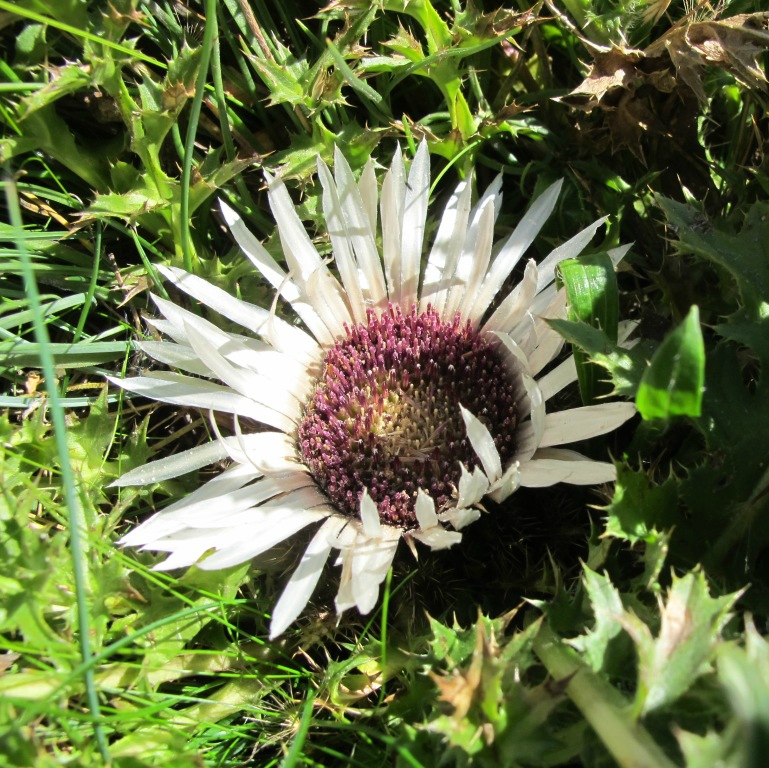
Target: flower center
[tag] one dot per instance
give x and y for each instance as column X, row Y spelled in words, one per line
column 385, row 413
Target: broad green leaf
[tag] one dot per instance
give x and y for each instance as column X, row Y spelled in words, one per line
column 67, row 80
column 46, row 131
column 405, row 44
column 383, row 63
column 33, row 684
column 88, row 440
column 31, row 43
column 128, row 207
column 451, row 644
column 672, row 385
column 712, row 748
column 591, row 288
column 583, row 335
column 744, row 255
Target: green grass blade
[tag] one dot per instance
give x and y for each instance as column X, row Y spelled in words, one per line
column 16, row 10
column 192, row 127
column 76, row 521
column 295, row 751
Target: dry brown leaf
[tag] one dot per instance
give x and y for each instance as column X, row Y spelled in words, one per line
column 733, row 44
column 7, row 660
column 654, row 12
column 654, row 92
column 463, row 687
column 611, row 69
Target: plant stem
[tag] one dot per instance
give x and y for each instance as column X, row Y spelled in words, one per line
column 603, row 707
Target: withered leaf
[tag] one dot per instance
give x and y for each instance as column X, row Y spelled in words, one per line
column 462, row 687
column 652, row 92
column 611, row 69
column 733, row 44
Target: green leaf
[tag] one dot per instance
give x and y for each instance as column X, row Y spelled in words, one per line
column 672, row 385
column 591, row 288
column 49, row 310
column 46, row 131
column 283, row 84
column 31, row 43
column 358, row 85
column 607, row 605
column 67, row 80
column 625, row 366
column 601, row 704
column 299, row 161
column 128, row 207
column 484, row 709
column 640, row 508
column 383, row 63
column 691, row 624
column 452, row 644
column 744, row 673
column 709, row 749
column 744, row 255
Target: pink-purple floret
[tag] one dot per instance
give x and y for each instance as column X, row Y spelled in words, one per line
column 385, row 413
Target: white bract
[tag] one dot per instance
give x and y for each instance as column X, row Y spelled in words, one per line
column 271, row 373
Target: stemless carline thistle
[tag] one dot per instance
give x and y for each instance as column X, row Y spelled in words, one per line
column 401, row 406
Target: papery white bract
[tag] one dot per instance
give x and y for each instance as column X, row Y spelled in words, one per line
column 403, row 403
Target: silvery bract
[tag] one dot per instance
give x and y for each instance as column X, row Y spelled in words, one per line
column 402, row 404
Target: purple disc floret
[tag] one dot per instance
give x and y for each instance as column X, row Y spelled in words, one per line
column 385, row 412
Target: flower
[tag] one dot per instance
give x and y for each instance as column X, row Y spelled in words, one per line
column 402, row 404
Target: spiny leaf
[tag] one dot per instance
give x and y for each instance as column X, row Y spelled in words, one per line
column 63, row 81
column 31, row 43
column 745, row 255
column 734, row 44
column 358, row 85
column 283, row 84
column 640, row 508
column 607, row 606
column 492, row 713
column 691, row 623
column 712, row 748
